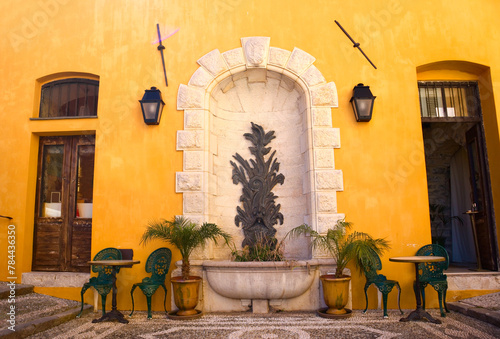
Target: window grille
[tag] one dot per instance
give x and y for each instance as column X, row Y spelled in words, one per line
column 450, row 99
column 69, row 98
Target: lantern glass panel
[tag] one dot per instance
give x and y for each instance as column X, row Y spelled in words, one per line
column 363, row 107
column 150, row 109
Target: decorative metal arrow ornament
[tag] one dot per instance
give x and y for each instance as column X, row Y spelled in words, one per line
column 161, row 48
column 356, row 44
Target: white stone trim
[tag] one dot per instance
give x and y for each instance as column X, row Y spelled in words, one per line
column 198, row 144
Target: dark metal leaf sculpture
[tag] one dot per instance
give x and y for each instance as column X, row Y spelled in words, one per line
column 258, row 177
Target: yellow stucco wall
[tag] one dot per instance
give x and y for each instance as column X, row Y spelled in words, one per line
column 385, row 190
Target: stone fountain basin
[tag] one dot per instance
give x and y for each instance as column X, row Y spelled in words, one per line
column 261, row 280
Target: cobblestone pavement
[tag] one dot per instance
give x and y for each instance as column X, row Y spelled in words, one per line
column 277, row 325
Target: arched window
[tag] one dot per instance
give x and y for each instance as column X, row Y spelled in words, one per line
column 73, row 97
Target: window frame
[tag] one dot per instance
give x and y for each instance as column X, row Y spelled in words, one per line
column 68, row 82
column 446, row 84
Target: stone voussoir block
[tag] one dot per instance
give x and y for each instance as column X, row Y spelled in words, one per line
column 234, row 57
column 200, row 78
column 213, row 62
column 299, row 61
column 313, row 77
column 278, row 57
column 256, row 51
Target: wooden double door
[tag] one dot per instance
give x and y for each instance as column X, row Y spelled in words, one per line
column 64, row 203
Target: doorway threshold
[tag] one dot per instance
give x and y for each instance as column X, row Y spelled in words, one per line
column 55, row 279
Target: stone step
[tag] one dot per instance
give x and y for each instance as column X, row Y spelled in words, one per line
column 33, row 313
column 19, row 289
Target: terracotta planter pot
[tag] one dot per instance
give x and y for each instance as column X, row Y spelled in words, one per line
column 336, row 293
column 186, row 294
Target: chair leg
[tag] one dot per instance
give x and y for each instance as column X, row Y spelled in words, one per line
column 103, row 302
column 444, row 300
column 148, row 299
column 84, row 289
column 366, row 297
column 384, row 298
column 165, row 298
column 440, row 299
column 399, row 297
column 132, row 296
column 81, row 310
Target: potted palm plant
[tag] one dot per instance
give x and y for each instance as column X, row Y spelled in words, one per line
column 186, row 236
column 343, row 247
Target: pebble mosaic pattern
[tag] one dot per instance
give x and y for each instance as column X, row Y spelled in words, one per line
column 299, row 325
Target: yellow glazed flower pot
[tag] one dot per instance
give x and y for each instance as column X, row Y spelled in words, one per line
column 186, row 295
column 335, row 293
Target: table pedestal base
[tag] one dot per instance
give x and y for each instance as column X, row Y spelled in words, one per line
column 420, row 314
column 113, row 315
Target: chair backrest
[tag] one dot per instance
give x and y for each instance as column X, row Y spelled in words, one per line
column 433, row 270
column 158, row 264
column 371, row 265
column 104, row 272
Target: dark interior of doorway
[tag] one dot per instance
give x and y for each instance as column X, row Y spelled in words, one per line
column 449, row 189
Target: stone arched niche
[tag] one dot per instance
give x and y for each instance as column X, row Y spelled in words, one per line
column 281, row 91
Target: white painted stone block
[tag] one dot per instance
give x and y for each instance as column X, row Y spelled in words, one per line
column 193, row 161
column 213, row 62
column 329, row 180
column 194, row 119
column 327, row 202
column 200, row 78
column 189, row 139
column 324, row 158
column 278, row 56
column 188, row 181
column 234, row 57
column 325, row 95
column 328, row 221
column 299, row 61
column 193, row 203
column 190, row 97
column 326, row 137
column 312, row 76
column 322, row 116
column 256, row 51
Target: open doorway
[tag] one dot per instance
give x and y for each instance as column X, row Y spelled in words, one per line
column 457, row 173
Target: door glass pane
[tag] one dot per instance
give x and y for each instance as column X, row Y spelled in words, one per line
column 52, row 165
column 85, row 181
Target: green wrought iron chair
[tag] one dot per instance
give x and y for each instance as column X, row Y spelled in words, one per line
column 103, row 283
column 431, row 273
column 157, row 264
column 384, row 286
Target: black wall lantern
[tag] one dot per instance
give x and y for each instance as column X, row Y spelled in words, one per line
column 152, row 106
column 362, row 102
